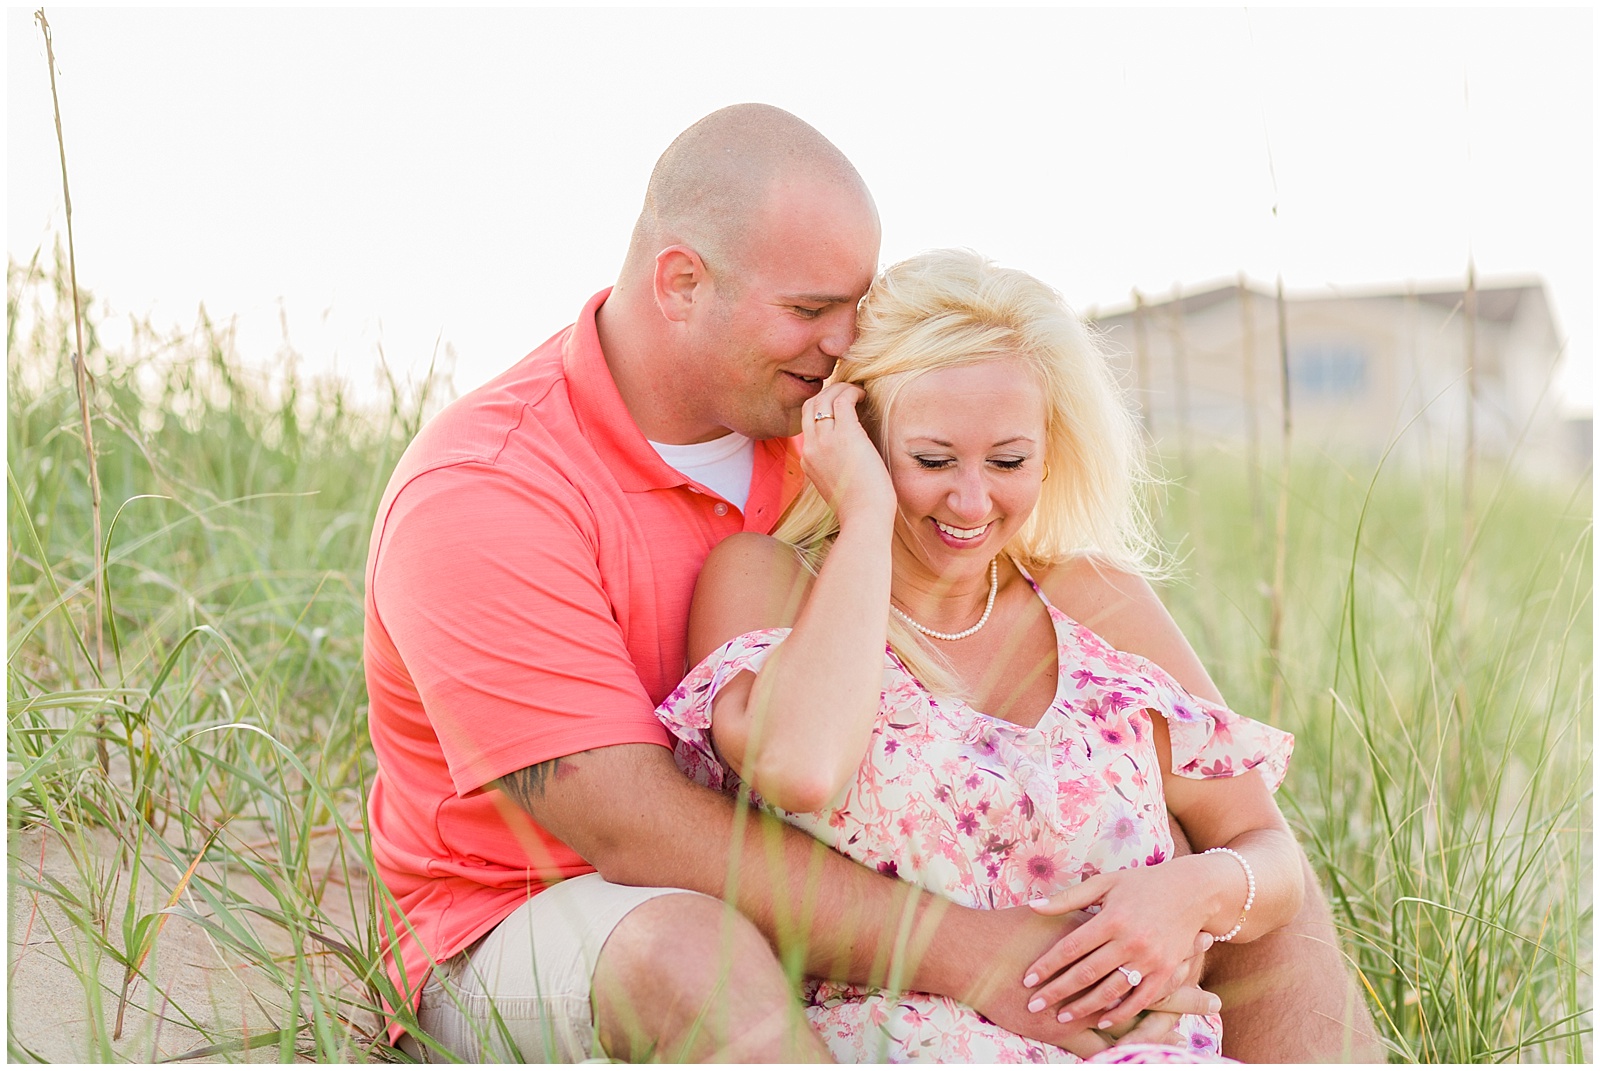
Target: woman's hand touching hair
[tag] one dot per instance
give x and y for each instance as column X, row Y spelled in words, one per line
column 839, row 458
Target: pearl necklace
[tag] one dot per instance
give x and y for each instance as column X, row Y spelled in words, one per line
column 994, row 588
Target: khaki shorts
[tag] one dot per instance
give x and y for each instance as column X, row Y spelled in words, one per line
column 521, row 993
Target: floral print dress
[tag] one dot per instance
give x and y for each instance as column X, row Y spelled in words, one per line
column 991, row 814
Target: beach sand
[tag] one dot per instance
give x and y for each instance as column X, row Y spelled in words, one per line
column 202, row 992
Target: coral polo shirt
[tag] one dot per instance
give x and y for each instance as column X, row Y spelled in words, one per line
column 528, row 588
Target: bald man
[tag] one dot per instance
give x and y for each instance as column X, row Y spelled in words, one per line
column 556, row 889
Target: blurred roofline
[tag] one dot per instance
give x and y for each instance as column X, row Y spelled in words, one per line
column 1213, row 290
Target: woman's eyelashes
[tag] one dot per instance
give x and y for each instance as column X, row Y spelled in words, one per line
column 1007, row 464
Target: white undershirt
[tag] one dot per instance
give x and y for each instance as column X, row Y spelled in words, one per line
column 725, row 465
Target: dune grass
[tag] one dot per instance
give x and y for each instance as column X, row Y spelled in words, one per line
column 1439, row 687
column 232, row 695
column 1440, row 693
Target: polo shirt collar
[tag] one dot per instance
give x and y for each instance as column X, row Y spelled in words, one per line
column 605, row 420
column 778, row 478
column 610, row 429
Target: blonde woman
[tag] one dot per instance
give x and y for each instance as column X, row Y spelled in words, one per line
column 948, row 664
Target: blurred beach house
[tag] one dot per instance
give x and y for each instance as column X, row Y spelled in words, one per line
column 1367, row 370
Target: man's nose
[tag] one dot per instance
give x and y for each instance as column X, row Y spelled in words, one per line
column 840, row 332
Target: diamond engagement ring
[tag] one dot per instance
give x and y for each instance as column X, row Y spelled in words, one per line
column 1132, row 975
column 823, row 416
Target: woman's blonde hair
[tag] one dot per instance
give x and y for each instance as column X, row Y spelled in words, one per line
column 952, row 307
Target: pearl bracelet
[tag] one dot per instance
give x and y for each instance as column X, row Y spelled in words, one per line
column 1250, row 898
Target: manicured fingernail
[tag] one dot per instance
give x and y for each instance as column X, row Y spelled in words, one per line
column 1214, row 1006
column 1206, row 941
column 1114, row 1004
column 1064, row 1017
column 1031, row 981
column 1036, row 1004
column 1039, row 901
column 1104, row 1024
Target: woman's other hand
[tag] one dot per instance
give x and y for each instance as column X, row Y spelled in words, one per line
column 839, row 457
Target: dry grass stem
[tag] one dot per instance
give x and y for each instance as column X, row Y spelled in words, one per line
column 1280, row 539
column 83, row 382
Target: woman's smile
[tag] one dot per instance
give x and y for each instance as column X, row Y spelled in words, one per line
column 962, row 536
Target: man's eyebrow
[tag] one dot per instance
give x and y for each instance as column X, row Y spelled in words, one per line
column 818, row 299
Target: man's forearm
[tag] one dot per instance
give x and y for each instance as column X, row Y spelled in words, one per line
column 834, row 917
column 842, row 920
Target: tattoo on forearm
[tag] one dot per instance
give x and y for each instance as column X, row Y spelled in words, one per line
column 527, row 785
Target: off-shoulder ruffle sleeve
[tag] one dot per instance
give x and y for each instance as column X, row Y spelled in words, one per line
column 1208, row 739
column 687, row 711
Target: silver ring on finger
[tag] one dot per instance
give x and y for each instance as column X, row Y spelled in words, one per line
column 1132, row 975
column 820, row 416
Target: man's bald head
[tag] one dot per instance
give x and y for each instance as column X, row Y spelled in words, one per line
column 713, row 181
column 740, row 287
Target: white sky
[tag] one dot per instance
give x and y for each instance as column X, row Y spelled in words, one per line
column 394, row 176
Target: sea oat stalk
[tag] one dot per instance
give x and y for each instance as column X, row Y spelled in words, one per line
column 83, row 383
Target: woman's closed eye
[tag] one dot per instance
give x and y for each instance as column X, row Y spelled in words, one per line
column 1009, row 464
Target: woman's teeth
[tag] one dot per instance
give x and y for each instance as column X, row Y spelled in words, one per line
column 961, row 533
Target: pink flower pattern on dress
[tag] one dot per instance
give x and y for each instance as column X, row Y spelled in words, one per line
column 991, row 814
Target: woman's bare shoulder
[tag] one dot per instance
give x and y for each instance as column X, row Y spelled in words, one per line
column 1123, row 609
column 753, row 559
column 1114, row 602
column 749, row 582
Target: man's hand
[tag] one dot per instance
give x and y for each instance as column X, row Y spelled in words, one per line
column 1158, row 1024
column 1003, row 943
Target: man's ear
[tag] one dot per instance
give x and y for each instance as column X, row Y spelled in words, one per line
column 680, row 279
